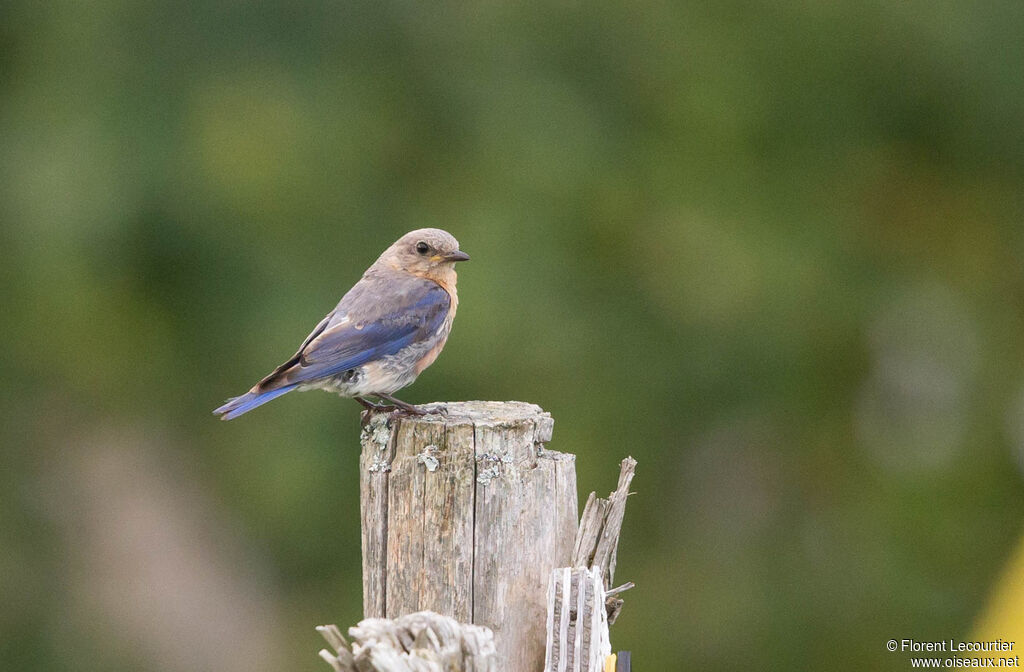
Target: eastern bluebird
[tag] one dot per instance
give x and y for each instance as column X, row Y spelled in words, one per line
column 390, row 326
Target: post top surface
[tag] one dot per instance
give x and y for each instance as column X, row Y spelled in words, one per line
column 481, row 412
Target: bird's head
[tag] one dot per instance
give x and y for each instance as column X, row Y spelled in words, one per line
column 428, row 253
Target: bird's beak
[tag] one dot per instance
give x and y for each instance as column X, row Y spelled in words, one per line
column 457, row 255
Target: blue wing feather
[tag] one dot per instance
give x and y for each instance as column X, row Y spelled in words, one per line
column 355, row 344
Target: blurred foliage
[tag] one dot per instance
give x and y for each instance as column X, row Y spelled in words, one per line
column 772, row 250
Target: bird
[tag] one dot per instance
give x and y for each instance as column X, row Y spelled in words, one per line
column 383, row 333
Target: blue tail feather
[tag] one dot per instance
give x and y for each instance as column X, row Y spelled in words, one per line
column 236, row 406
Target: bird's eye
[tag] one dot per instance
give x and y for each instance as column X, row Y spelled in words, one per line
column 422, row 247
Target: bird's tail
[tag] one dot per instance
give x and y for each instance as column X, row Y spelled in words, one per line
column 236, row 406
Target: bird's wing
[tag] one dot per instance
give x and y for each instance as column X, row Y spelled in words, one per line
column 366, row 325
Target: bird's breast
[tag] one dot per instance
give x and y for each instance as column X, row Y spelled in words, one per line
column 447, row 283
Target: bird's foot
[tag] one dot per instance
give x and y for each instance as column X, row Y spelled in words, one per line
column 409, row 409
column 402, row 406
column 372, row 408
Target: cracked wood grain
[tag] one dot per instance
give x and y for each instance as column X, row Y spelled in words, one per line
column 467, row 514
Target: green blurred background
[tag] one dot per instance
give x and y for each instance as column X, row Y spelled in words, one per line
column 772, row 250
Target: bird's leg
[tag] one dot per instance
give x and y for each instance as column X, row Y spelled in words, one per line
column 368, row 405
column 408, row 408
column 372, row 407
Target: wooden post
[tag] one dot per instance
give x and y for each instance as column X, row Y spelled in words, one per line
column 467, row 514
column 581, row 602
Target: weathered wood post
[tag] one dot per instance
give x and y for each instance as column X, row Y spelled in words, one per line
column 581, row 602
column 466, row 514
